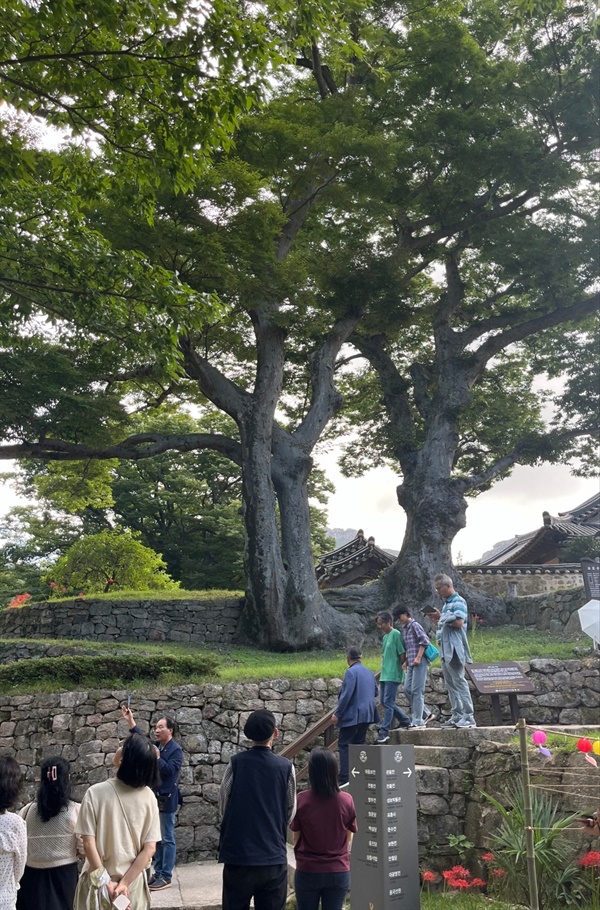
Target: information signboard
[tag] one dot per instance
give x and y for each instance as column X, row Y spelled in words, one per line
column 385, row 851
column 590, row 569
column 499, row 679
column 503, row 678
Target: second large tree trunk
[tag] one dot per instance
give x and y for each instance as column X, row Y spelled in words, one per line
column 435, row 512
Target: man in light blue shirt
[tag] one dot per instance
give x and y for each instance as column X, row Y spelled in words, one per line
column 454, row 651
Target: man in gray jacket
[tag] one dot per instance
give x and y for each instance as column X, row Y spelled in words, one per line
column 356, row 708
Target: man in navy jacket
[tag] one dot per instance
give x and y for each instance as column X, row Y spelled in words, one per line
column 356, row 708
column 170, row 758
column 257, row 800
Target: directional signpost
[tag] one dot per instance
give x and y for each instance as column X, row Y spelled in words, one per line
column 385, row 851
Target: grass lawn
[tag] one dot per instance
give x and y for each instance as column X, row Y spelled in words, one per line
column 242, row 664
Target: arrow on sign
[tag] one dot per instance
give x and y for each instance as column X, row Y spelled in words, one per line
column 354, row 772
column 408, row 773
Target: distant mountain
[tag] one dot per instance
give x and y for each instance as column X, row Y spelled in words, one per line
column 341, row 535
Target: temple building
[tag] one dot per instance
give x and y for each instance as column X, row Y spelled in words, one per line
column 542, row 546
column 354, row 563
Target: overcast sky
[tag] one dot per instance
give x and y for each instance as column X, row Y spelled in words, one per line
column 513, row 506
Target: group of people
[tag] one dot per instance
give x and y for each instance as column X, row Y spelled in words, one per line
column 121, row 825
column 258, row 803
column 126, row 824
column 403, row 660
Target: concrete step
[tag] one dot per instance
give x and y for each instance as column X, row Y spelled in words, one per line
column 442, row 756
column 436, row 736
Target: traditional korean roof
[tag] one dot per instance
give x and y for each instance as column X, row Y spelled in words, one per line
column 354, row 563
column 541, row 547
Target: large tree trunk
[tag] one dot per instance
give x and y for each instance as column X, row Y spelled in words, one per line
column 310, row 622
column 435, row 514
column 262, row 618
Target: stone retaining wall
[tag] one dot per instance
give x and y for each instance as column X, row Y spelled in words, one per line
column 555, row 612
column 510, row 581
column 192, row 621
column 85, row 727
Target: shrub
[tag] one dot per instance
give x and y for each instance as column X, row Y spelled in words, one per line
column 109, row 561
column 558, row 878
column 97, row 669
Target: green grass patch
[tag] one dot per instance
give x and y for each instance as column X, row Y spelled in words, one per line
column 174, row 663
column 170, row 594
column 102, row 670
column 440, row 900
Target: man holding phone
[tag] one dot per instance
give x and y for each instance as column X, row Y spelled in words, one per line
column 170, row 759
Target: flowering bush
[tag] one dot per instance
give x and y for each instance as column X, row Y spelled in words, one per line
column 460, row 879
column 19, row 601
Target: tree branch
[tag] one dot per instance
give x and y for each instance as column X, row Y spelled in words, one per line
column 218, row 388
column 395, row 393
column 483, row 480
column 586, row 306
column 142, row 445
column 325, row 399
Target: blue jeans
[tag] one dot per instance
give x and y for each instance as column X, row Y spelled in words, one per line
column 164, row 858
column 458, row 689
column 356, row 734
column 414, row 689
column 328, row 887
column 387, row 693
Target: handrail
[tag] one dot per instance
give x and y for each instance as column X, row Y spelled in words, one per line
column 324, row 725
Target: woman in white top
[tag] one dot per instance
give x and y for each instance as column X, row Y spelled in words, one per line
column 119, row 825
column 13, row 837
column 50, row 875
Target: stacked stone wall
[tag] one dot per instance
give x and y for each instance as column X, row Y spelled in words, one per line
column 85, row 728
column 509, row 582
column 554, row 612
column 212, row 622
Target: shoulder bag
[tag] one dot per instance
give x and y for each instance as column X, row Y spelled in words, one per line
column 431, row 653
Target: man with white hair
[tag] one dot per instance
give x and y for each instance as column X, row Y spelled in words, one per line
column 454, row 651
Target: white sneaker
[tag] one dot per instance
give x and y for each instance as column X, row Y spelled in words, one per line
column 449, row 724
column 465, row 724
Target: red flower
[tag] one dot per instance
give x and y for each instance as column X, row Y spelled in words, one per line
column 460, row 870
column 52, row 584
column 498, row 873
column 460, row 883
column 478, row 883
column 591, row 858
column 488, row 857
column 428, row 876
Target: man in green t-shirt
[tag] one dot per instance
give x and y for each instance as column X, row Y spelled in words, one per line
column 393, row 655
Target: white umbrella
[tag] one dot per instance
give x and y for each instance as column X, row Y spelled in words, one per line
column 589, row 617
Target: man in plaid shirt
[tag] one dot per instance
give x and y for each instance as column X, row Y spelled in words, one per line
column 415, row 642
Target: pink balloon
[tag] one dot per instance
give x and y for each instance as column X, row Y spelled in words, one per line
column 539, row 737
